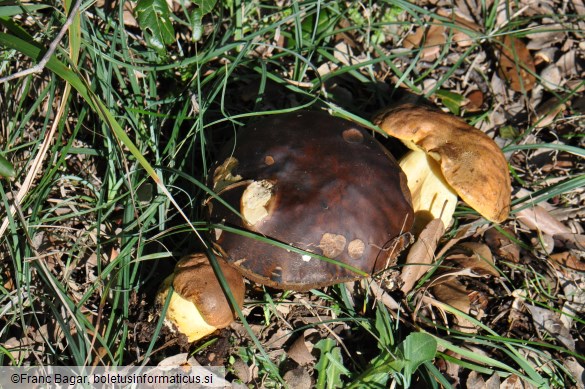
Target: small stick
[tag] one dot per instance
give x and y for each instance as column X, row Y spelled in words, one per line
column 52, row 48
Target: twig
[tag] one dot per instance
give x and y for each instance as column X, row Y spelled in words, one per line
column 52, row 48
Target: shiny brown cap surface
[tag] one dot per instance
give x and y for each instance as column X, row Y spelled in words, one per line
column 318, row 183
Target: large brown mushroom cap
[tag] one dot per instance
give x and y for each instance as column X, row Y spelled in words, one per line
column 319, row 183
column 471, row 163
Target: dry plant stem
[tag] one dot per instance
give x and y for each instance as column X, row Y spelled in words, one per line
column 36, row 165
column 331, row 332
column 52, row 47
column 384, row 297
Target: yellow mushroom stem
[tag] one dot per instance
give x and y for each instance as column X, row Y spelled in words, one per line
column 432, row 197
column 182, row 314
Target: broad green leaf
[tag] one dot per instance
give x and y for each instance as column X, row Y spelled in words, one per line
column 154, row 18
column 6, row 168
column 330, row 365
column 417, row 349
column 205, row 6
column 452, row 100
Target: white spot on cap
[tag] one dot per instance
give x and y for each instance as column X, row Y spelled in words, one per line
column 306, row 258
column 256, row 201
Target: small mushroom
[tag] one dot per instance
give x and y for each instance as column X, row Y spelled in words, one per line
column 448, row 158
column 199, row 306
column 316, row 183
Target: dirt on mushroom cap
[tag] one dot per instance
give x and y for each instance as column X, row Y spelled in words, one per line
column 470, row 160
column 334, row 191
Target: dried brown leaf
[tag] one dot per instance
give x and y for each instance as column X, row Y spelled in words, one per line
column 516, row 64
column 537, row 218
column 569, row 260
column 547, row 112
column 300, row 350
column 576, row 370
column 414, row 39
column 460, row 36
column 475, row 380
column 431, row 40
column 550, row 322
column 298, row 378
column 514, row 382
column 421, row 254
column 474, row 101
column 502, row 246
column 453, row 293
column 475, row 256
column 570, row 241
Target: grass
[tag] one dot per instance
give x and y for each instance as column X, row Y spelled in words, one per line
column 112, row 144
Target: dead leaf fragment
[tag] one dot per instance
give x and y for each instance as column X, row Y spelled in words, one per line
column 547, row 112
column 514, row 382
column 570, row 241
column 430, row 40
column 502, row 246
column 550, row 322
column 460, row 36
column 421, row 254
column 455, row 294
column 474, row 101
column 300, row 350
column 475, row 256
column 516, row 64
column 537, row 218
column 569, row 260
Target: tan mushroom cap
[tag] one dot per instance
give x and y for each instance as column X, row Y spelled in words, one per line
column 470, row 161
column 195, row 281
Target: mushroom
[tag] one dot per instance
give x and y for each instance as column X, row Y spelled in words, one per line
column 199, row 306
column 449, row 158
column 326, row 202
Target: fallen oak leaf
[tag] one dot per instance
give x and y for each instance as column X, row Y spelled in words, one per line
column 569, row 260
column 421, row 254
column 475, row 256
column 516, row 64
column 430, row 40
column 537, row 218
column 550, row 322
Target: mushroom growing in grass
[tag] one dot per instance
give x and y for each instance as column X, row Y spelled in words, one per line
column 306, row 200
column 448, row 158
column 318, row 202
column 198, row 305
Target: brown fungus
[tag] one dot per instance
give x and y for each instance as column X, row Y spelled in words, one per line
column 449, row 158
column 315, row 182
column 198, row 304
